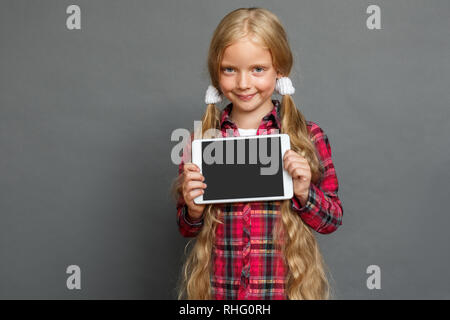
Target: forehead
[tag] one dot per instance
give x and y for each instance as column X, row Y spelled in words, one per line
column 246, row 52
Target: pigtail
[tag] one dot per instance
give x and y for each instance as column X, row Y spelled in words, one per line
column 306, row 277
column 197, row 269
column 211, row 120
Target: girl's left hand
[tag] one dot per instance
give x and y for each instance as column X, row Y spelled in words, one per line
column 298, row 168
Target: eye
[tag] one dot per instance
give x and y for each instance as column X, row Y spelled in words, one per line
column 227, row 68
column 261, row 68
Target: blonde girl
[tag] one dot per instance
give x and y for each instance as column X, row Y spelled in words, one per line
column 258, row 250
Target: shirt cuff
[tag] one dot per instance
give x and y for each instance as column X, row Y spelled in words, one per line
column 189, row 221
column 296, row 204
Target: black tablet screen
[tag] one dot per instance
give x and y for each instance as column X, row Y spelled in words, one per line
column 242, row 168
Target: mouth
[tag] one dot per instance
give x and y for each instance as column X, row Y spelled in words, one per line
column 247, row 97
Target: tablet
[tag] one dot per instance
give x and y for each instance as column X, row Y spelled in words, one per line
column 241, row 169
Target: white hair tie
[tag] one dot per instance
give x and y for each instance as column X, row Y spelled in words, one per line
column 212, row 95
column 284, row 86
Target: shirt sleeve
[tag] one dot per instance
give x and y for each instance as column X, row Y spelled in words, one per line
column 186, row 226
column 323, row 209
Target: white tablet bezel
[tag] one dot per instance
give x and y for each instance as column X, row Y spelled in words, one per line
column 287, row 179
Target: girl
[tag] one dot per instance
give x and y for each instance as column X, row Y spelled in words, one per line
column 258, row 250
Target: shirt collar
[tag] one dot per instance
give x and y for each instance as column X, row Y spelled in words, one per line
column 274, row 115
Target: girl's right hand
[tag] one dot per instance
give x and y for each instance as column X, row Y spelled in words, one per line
column 192, row 188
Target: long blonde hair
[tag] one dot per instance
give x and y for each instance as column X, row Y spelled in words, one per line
column 305, row 269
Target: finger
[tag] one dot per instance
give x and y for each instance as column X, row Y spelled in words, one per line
column 293, row 159
column 291, row 166
column 297, row 156
column 293, row 155
column 300, row 164
column 296, row 173
column 191, row 167
column 287, row 162
column 289, row 156
column 195, row 185
column 194, row 194
column 300, row 174
column 294, row 166
column 190, row 175
column 288, row 153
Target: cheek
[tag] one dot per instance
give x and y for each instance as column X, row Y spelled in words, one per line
column 266, row 84
column 226, row 84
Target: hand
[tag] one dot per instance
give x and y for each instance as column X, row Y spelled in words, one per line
column 298, row 168
column 192, row 188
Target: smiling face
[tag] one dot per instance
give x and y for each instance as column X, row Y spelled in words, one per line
column 248, row 78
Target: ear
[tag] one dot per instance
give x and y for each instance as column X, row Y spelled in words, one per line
column 279, row 75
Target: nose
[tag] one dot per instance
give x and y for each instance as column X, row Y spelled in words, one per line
column 243, row 81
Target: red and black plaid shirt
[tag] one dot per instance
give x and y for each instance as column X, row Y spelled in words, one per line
column 246, row 264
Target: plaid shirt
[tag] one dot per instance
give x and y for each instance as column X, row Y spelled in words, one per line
column 246, row 264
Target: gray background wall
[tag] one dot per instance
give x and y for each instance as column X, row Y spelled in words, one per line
column 86, row 117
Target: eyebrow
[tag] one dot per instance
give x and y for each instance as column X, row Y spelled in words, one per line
column 264, row 64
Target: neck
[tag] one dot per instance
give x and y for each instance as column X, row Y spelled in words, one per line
column 252, row 119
